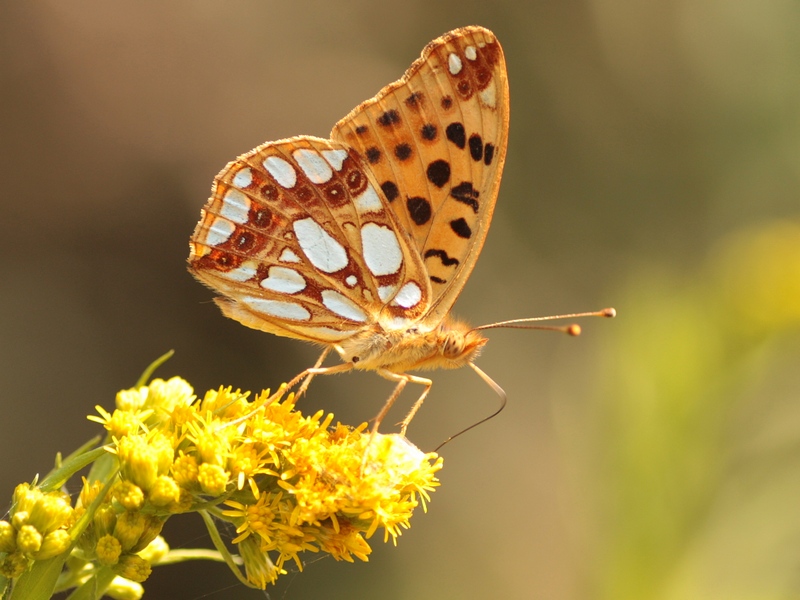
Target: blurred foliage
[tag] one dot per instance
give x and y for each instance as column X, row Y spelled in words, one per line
column 699, row 427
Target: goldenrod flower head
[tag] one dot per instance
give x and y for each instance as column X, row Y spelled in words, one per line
column 128, row 494
column 225, row 403
column 130, row 527
column 89, row 491
column 38, row 526
column 164, row 492
column 247, row 461
column 25, row 496
column 259, row 569
column 13, row 565
column 143, row 457
column 152, row 529
column 163, row 397
column 255, row 518
column 108, row 550
column 133, row 567
column 54, row 543
column 29, row 540
column 185, row 470
column 213, row 479
column 120, row 423
column 105, row 520
column 8, row 537
column 51, row 511
column 138, row 461
column 334, row 489
column 132, row 400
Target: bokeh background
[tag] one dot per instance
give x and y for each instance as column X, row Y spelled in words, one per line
column 654, row 165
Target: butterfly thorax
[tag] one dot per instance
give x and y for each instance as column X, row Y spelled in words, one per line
column 450, row 345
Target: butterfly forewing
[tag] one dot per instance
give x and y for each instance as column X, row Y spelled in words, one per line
column 298, row 238
column 436, row 142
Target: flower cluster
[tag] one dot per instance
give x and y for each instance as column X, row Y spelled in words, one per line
column 288, row 483
column 36, row 530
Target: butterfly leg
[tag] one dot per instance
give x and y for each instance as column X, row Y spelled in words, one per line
column 310, row 375
column 422, row 381
column 402, row 379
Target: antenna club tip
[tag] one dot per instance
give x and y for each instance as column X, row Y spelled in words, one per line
column 609, row 312
column 574, row 330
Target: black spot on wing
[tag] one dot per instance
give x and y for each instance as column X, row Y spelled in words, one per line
column 461, row 228
column 456, row 134
column 414, row 100
column 438, row 173
column 476, row 147
column 464, row 192
column 447, row 261
column 428, row 132
column 419, row 209
column 488, row 154
column 390, row 190
column 389, row 118
column 402, row 151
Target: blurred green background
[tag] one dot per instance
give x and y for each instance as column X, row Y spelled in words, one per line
column 654, row 166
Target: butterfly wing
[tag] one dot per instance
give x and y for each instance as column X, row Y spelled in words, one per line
column 300, row 242
column 435, row 141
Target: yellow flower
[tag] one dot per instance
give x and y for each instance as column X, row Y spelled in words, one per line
column 164, row 492
column 213, row 479
column 13, row 565
column 133, row 567
column 8, row 537
column 256, row 518
column 129, row 495
column 138, row 460
column 290, row 483
column 185, row 470
column 129, row 528
column 108, row 550
column 29, row 540
column 247, row 462
column 259, row 568
column 54, row 543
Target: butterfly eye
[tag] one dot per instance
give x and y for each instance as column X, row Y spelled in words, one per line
column 452, row 347
column 355, row 359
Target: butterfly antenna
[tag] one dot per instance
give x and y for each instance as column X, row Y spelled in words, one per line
column 573, row 329
column 497, row 389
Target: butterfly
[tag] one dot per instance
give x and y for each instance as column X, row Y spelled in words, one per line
column 362, row 242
